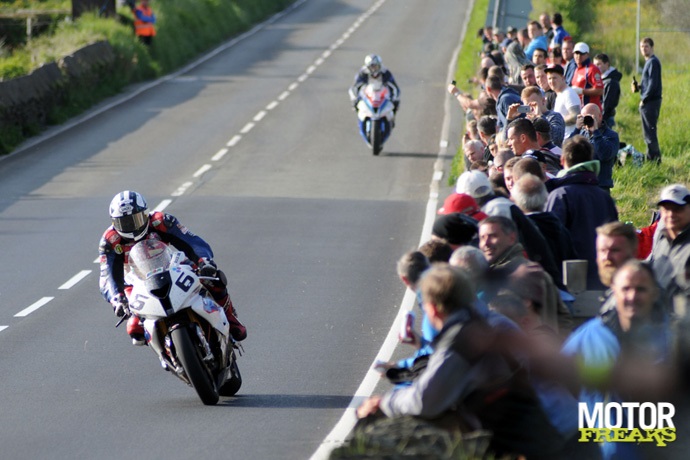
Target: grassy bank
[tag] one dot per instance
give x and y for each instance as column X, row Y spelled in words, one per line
column 185, row 29
column 636, row 189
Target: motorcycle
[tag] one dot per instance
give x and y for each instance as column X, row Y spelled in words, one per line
column 375, row 113
column 183, row 325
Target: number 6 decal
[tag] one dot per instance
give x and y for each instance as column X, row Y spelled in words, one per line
column 184, row 282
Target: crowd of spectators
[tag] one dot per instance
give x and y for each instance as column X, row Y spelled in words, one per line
column 498, row 347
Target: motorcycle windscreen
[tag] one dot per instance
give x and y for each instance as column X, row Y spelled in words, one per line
column 159, row 285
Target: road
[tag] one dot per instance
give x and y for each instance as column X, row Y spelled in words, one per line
column 256, row 149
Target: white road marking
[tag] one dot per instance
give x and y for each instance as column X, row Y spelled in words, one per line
column 2, row 328
column 272, row 105
column 302, row 77
column 33, row 307
column 259, row 116
column 438, row 175
column 235, row 139
column 310, row 69
column 221, row 153
column 283, row 95
column 200, row 172
column 164, row 204
column 293, row 86
column 75, row 279
column 181, row 189
column 248, row 127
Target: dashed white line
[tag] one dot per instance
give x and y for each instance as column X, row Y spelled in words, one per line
column 248, row 127
column 302, row 77
column 221, row 153
column 181, row 189
column 235, row 139
column 326, row 53
column 293, row 86
column 438, row 175
column 2, row 328
column 165, row 203
column 199, row 172
column 319, row 61
column 272, row 105
column 33, row 307
column 259, row 116
column 310, row 69
column 283, row 95
column 75, row 279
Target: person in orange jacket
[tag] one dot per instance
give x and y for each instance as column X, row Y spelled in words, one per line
column 144, row 22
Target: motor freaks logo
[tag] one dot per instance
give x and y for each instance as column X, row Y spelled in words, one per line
column 627, row 422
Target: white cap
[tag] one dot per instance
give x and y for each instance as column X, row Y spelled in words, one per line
column 675, row 193
column 581, row 47
column 474, row 183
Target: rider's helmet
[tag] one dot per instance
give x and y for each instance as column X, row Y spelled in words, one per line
column 130, row 215
column 373, row 63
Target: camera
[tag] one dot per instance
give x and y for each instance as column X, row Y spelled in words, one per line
column 588, row 121
column 524, row 109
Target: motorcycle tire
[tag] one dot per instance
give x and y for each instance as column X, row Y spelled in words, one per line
column 198, row 374
column 376, row 139
column 232, row 386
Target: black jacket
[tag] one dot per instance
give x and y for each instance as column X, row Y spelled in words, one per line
column 612, row 92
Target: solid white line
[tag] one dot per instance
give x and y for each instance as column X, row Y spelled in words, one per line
column 272, row 105
column 248, row 127
column 342, row 429
column 75, row 279
column 202, row 170
column 2, row 328
column 259, row 116
column 163, row 204
column 235, row 139
column 221, row 153
column 33, row 307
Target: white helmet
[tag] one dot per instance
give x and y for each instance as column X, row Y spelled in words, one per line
column 130, row 215
column 373, row 63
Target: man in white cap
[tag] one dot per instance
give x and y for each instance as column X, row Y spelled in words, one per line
column 671, row 248
column 586, row 81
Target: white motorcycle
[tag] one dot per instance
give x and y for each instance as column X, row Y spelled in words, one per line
column 183, row 324
column 375, row 113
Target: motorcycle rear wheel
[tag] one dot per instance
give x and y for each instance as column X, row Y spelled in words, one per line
column 198, row 374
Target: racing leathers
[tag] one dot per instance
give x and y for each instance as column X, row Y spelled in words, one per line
column 362, row 78
column 114, row 254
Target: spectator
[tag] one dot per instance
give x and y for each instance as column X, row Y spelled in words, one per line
column 612, row 88
column 481, row 166
column 456, row 229
column 473, row 150
column 543, row 82
column 650, row 98
column 523, row 140
column 436, row 250
column 555, row 56
column 537, row 39
column 528, row 166
column 539, row 56
column 499, row 161
column 527, row 75
column 504, row 96
column 569, row 64
column 509, row 269
column 567, row 101
column 615, row 350
column 616, row 244
column 144, row 22
column 671, row 248
column 530, row 195
column 486, row 126
column 580, row 204
column 543, row 129
column 508, row 172
column 545, row 21
column 463, row 367
column 515, row 59
column 604, row 140
column 532, row 97
column 461, row 202
column 586, row 80
column 560, row 34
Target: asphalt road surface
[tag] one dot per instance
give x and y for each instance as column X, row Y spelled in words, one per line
column 256, row 149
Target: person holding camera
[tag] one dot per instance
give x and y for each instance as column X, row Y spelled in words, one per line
column 589, row 123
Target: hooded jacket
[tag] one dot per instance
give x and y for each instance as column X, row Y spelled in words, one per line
column 612, row 92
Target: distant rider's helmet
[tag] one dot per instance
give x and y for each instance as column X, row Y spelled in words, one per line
column 373, row 63
column 130, row 215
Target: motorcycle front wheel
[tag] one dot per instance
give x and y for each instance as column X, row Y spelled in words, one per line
column 233, row 385
column 189, row 355
column 376, row 139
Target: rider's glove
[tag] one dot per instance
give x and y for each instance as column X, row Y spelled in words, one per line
column 120, row 305
column 207, row 267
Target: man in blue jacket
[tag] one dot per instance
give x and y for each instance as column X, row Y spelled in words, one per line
column 650, row 98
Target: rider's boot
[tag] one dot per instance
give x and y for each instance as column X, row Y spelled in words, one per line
column 237, row 330
column 136, row 331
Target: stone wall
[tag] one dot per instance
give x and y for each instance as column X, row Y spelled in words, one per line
column 26, row 102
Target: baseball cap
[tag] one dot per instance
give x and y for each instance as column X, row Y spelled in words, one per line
column 473, row 183
column 581, row 47
column 455, row 228
column 463, row 203
column 675, row 193
column 511, row 29
column 555, row 69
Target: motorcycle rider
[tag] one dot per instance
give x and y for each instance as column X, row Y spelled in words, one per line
column 131, row 223
column 373, row 67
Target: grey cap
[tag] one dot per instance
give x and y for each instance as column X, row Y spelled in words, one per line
column 676, row 193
